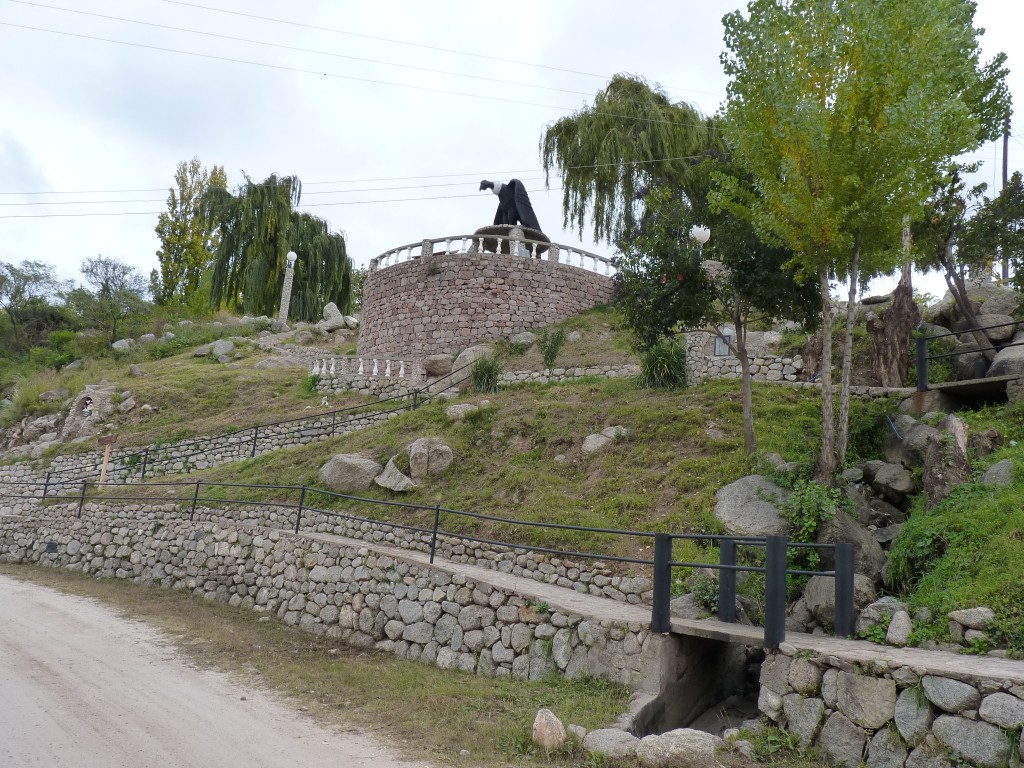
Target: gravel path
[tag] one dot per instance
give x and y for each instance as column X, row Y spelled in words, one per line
column 81, row 686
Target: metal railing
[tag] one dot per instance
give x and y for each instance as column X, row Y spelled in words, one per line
column 151, row 457
column 922, row 357
column 775, row 569
column 471, row 244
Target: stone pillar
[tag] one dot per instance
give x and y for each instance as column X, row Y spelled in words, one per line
column 286, row 294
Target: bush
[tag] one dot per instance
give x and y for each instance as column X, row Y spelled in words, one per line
column 550, row 344
column 485, row 373
column 663, row 366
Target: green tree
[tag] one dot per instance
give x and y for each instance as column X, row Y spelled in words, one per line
column 999, row 226
column 609, row 156
column 842, row 111
column 258, row 226
column 23, row 286
column 668, row 281
column 188, row 237
column 118, row 293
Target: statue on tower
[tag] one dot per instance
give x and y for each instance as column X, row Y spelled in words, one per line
column 513, row 204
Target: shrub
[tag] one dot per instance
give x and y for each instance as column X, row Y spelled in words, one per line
column 485, row 373
column 550, row 344
column 309, row 384
column 663, row 366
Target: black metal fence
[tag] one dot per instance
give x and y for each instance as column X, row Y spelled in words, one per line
column 153, row 458
column 922, row 357
column 776, row 568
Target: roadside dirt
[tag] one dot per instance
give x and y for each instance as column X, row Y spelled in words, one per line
column 82, row 686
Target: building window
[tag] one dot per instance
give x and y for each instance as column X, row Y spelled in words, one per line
column 721, row 349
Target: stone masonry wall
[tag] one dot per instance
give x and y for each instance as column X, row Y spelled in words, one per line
column 352, row 593
column 452, row 301
column 702, row 364
column 893, row 716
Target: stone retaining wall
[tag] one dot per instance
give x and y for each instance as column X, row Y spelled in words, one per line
column 889, row 715
column 352, row 593
column 702, row 364
column 445, row 302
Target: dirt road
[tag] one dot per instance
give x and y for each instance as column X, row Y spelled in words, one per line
column 80, row 686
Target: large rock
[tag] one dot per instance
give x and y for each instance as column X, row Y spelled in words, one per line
column 843, row 741
column 869, row 558
column 333, row 319
column 804, row 716
column 950, row 695
column 393, row 479
column 894, row 482
column 1003, row 710
column 913, row 716
column 1007, row 327
column 867, row 701
column 1009, row 360
column 548, row 731
column 611, row 742
column 743, row 509
column 899, row 630
column 973, row 618
column 879, row 613
column 886, row 750
column 1005, row 302
column 222, row 347
column 87, row 412
column 429, row 456
column 123, row 345
column 981, row 743
column 438, row 365
column 820, row 595
column 946, row 464
column 999, row 475
column 682, row 746
column 348, row 472
column 466, row 358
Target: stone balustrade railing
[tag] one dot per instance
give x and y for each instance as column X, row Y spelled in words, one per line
column 459, row 244
column 348, row 366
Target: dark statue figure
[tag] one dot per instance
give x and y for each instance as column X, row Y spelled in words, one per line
column 513, row 204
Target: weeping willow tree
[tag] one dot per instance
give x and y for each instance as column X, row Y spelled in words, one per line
column 258, row 226
column 611, row 155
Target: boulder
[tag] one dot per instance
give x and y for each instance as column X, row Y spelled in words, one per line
column 999, row 475
column 146, row 338
column 913, row 716
column 894, row 482
column 594, row 443
column 1009, row 361
column 969, row 362
column 804, row 716
column 820, row 594
column 1003, row 333
column 843, row 741
column 393, row 479
column 127, row 406
column 222, row 347
column 202, row 351
column 981, row 743
column 973, row 618
column 466, row 358
column 688, row 607
column 743, row 509
column 348, row 472
column 429, row 456
column 867, row 701
column 135, row 371
column 333, row 319
column 548, row 731
column 352, row 322
column 946, row 465
column 459, row 411
column 525, row 339
column 438, row 365
column 88, row 410
column 885, row 750
column 611, row 742
column 1004, row 302
column 122, row 345
column 682, row 746
column 879, row 613
column 899, row 630
column 950, row 695
column 869, row 558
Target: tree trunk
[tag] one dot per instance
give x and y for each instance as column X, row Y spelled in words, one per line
column 891, row 332
column 749, row 440
column 825, row 467
column 957, row 287
column 847, row 372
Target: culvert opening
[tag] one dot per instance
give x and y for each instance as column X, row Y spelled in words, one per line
column 707, row 685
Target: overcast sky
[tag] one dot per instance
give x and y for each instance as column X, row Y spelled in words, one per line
column 455, row 92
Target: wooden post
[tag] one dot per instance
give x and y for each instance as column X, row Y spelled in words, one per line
column 107, row 441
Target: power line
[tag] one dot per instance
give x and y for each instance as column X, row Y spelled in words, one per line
column 411, row 44
column 475, row 174
column 297, row 48
column 371, row 81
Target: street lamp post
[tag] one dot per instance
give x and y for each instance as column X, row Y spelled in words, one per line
column 286, row 291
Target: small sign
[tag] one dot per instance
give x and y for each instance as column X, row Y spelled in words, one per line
column 108, row 440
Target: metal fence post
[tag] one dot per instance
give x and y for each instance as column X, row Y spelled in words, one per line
column 775, row 592
column 844, row 589
column 81, row 499
column 302, row 501
column 922, row 363
column 415, row 398
column 727, row 581
column 195, row 500
column 433, row 535
column 255, row 436
column 661, row 619
column 145, row 461
column 46, row 485
column 334, row 415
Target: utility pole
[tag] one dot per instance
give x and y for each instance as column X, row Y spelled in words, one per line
column 1006, row 147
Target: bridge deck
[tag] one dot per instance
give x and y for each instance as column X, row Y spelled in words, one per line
column 976, row 390
column 942, row 663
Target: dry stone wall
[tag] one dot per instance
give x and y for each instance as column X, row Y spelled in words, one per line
column 890, row 715
column 702, row 364
column 342, row 590
column 451, row 301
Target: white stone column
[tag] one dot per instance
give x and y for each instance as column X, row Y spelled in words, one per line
column 286, row 290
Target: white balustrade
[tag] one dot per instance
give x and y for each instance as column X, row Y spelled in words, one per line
column 374, row 367
column 360, row 372
column 387, row 368
column 333, row 369
column 401, row 368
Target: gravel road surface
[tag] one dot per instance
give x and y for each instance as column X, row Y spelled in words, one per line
column 81, row 686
